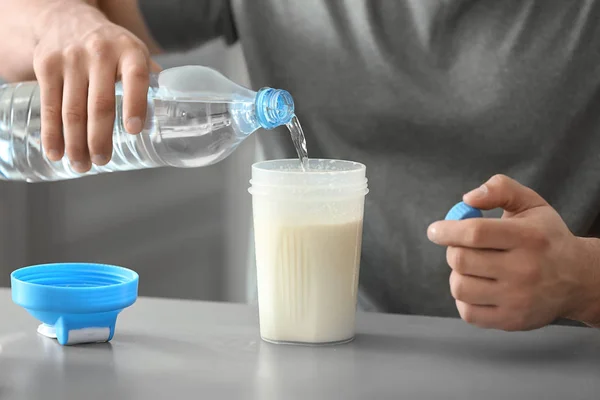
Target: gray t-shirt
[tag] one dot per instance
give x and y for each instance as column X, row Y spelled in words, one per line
column 434, row 96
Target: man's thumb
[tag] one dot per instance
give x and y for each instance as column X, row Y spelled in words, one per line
column 155, row 67
column 503, row 192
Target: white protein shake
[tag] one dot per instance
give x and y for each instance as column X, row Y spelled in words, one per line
column 307, row 280
column 308, row 236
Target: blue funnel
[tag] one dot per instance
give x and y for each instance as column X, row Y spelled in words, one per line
column 76, row 302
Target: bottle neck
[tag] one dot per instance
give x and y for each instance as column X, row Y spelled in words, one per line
column 273, row 107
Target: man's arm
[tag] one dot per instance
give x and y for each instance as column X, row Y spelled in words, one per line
column 588, row 310
column 176, row 25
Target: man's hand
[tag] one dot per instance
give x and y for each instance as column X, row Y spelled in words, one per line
column 522, row 271
column 78, row 58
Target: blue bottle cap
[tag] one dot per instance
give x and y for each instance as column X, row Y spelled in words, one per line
column 273, row 107
column 463, row 211
column 76, row 302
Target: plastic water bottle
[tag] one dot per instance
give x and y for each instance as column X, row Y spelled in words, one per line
column 196, row 117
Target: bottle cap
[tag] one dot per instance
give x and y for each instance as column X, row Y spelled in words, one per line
column 273, row 107
column 76, row 302
column 462, row 211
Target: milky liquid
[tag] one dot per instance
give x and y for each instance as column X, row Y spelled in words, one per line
column 299, row 140
column 307, row 280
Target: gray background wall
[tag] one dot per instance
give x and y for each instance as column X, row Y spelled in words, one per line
column 186, row 232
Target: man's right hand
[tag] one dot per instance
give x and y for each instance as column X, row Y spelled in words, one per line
column 78, row 57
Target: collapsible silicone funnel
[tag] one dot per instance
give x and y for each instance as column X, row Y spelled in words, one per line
column 76, row 302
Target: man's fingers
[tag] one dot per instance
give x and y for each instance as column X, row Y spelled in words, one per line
column 74, row 113
column 49, row 74
column 155, row 67
column 480, row 263
column 135, row 75
column 503, row 192
column 482, row 233
column 101, row 110
column 474, row 291
column 480, row 316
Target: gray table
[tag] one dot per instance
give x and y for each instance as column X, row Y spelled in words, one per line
column 168, row 349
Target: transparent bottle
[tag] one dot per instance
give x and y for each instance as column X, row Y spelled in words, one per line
column 196, row 117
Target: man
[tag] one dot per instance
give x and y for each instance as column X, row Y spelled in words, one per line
column 433, row 96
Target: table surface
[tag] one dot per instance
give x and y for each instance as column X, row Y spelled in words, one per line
column 171, row 349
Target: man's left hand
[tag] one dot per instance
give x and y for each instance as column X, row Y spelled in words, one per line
column 524, row 270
